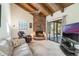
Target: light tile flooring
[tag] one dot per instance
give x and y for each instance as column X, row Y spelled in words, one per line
column 45, row 48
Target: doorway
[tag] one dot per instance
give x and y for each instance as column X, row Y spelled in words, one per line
column 55, row 32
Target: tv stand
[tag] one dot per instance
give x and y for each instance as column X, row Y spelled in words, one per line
column 68, row 44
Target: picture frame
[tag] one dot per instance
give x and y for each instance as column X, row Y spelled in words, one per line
column 30, row 25
column 23, row 25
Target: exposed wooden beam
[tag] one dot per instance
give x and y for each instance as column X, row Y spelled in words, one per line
column 43, row 9
column 65, row 4
column 41, row 14
column 39, row 6
column 36, row 8
column 55, row 6
column 26, row 7
column 60, row 5
column 32, row 6
column 47, row 8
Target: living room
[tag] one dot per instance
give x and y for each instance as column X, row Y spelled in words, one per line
column 30, row 28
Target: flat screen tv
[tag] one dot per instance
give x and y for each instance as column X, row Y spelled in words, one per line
column 71, row 31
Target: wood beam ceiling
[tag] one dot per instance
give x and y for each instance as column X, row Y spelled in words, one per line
column 39, row 6
column 47, row 8
column 26, row 7
column 64, row 4
column 55, row 7
column 36, row 8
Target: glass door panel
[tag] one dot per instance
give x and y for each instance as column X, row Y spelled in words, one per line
column 55, row 32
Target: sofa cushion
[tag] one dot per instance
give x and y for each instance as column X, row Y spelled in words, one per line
column 2, row 54
column 22, row 50
column 4, row 46
column 22, row 41
column 9, row 39
column 16, row 42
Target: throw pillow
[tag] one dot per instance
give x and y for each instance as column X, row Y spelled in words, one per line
column 16, row 42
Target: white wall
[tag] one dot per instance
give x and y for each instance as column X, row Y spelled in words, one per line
column 72, row 13
column 5, row 20
column 48, row 18
column 19, row 14
column 56, row 16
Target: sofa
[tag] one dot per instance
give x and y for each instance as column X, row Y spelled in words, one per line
column 7, row 48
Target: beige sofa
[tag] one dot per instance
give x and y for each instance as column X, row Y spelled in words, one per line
column 7, row 48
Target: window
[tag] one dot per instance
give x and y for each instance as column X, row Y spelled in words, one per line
column 23, row 25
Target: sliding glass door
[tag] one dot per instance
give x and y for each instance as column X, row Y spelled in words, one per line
column 57, row 27
column 55, row 30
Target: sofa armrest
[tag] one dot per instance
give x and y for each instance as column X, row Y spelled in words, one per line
column 22, row 50
column 2, row 54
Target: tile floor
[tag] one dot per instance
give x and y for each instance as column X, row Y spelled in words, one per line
column 45, row 48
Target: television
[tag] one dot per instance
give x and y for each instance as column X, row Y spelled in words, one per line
column 71, row 31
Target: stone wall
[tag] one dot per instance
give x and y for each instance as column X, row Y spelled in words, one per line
column 39, row 23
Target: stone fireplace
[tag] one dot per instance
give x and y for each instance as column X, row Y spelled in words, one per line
column 39, row 23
